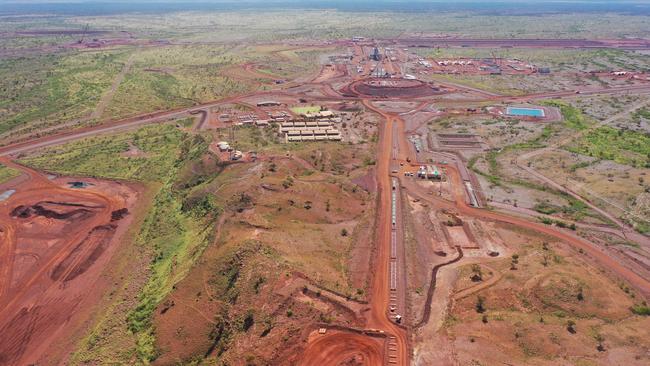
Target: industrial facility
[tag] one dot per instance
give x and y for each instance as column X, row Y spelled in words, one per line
column 297, row 131
column 429, row 172
column 375, row 55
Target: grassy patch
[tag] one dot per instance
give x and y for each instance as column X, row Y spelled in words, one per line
column 493, row 174
column 175, row 76
column 178, row 226
column 107, row 156
column 575, row 209
column 641, row 226
column 572, row 116
column 546, row 208
column 6, row 173
column 642, row 309
column 622, row 146
column 45, row 91
column 306, row 109
column 641, row 113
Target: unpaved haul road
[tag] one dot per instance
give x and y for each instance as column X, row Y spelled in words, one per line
column 600, row 255
column 331, row 349
column 381, row 280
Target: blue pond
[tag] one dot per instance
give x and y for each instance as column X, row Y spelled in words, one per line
column 526, row 112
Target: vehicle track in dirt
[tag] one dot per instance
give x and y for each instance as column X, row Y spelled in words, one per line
column 108, row 96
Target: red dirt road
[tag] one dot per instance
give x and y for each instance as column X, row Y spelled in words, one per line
column 380, row 284
column 590, row 249
column 332, row 349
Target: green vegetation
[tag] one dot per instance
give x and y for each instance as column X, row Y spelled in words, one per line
column 641, row 113
column 44, row 91
column 641, row 309
column 622, row 146
column 572, row 116
column 177, row 228
column 576, row 209
column 546, row 208
column 153, row 148
column 173, row 77
column 176, row 231
column 57, row 90
column 251, row 138
column 641, row 226
column 494, row 176
column 580, row 165
column 558, row 223
column 306, row 109
column 7, row 173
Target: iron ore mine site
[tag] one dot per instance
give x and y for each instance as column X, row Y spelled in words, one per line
column 325, row 183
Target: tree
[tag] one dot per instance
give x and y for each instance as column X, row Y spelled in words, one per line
column 514, row 261
column 344, row 232
column 580, row 295
column 249, row 320
column 571, row 326
column 600, row 339
column 477, row 273
column 288, row 182
column 480, row 304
